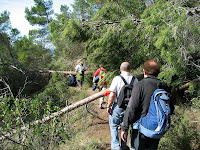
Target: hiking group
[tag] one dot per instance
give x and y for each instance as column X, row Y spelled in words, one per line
column 142, row 106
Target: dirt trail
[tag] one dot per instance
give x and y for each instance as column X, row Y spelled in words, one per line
column 100, row 129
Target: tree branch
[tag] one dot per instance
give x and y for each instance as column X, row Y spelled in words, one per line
column 9, row 138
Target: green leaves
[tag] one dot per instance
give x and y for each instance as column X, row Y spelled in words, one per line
column 82, row 9
column 40, row 13
column 73, row 32
column 110, row 12
column 32, row 55
column 4, row 21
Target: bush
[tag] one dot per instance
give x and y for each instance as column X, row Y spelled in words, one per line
column 20, row 113
column 184, row 132
column 56, row 92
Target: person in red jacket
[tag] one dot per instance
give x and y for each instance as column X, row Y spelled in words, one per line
column 96, row 76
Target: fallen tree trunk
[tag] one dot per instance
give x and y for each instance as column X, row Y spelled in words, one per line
column 70, row 108
column 179, row 94
column 64, row 72
column 187, row 84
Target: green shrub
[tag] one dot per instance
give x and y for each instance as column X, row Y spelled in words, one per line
column 56, row 92
column 16, row 113
column 184, row 131
column 88, row 80
column 196, row 102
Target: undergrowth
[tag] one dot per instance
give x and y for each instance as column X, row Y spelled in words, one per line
column 69, row 131
column 184, row 133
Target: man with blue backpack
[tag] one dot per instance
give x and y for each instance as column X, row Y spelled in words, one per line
column 148, row 111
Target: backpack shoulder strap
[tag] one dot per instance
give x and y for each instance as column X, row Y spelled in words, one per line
column 123, row 79
column 132, row 80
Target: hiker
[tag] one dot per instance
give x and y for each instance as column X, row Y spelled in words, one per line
column 72, row 80
column 80, row 69
column 102, row 85
column 139, row 106
column 116, row 114
column 96, row 76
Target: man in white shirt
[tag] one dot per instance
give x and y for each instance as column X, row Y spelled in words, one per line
column 80, row 69
column 116, row 114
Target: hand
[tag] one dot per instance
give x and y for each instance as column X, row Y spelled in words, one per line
column 109, row 110
column 124, row 135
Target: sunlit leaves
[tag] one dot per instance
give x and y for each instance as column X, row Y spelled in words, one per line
column 110, row 12
column 40, row 14
column 74, row 32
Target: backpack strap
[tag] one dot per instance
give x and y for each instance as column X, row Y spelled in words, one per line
column 123, row 79
column 132, row 80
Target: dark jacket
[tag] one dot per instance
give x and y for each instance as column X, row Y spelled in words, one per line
column 140, row 99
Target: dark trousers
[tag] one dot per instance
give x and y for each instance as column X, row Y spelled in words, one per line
column 140, row 142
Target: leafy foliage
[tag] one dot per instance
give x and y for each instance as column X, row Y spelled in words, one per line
column 183, row 133
column 171, row 41
column 17, row 113
column 56, row 92
column 40, row 13
column 82, row 9
column 110, row 43
column 33, row 56
column 7, row 54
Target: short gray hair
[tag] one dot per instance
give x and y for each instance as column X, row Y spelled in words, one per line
column 125, row 66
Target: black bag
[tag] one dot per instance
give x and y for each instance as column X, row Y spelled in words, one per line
column 125, row 93
column 82, row 70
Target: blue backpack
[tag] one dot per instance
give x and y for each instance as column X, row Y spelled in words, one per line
column 72, row 80
column 157, row 120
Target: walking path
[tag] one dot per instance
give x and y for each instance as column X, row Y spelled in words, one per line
column 100, row 129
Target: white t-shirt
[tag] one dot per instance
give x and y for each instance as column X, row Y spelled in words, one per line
column 118, row 83
column 78, row 67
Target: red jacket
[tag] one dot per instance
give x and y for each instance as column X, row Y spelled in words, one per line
column 98, row 71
